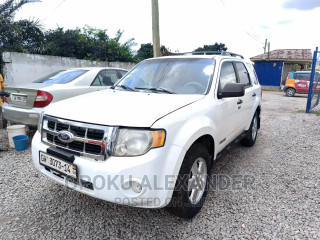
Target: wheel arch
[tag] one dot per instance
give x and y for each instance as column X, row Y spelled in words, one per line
column 208, row 141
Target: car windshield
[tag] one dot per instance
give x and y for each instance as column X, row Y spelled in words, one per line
column 170, row 75
column 61, row 77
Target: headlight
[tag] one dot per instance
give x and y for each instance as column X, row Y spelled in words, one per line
column 40, row 122
column 133, row 142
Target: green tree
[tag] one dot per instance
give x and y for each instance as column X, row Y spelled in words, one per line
column 214, row 47
column 18, row 36
column 22, row 35
column 88, row 43
column 64, row 43
column 146, row 51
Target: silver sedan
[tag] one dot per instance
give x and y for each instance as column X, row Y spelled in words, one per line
column 27, row 101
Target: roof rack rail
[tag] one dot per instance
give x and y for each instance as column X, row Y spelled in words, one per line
column 223, row 53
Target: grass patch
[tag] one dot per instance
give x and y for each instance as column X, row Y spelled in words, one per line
column 316, row 112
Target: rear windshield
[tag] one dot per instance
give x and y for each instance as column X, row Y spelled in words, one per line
column 61, row 77
column 180, row 75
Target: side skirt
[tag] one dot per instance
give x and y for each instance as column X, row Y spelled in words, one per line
column 235, row 141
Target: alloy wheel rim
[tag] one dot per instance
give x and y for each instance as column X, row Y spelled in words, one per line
column 290, row 92
column 254, row 128
column 197, row 180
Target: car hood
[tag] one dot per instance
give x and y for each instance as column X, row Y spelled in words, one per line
column 120, row 108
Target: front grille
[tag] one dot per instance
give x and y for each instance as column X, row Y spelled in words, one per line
column 95, row 134
column 88, row 139
column 80, row 131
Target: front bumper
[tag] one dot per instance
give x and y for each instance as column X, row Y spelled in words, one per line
column 28, row 117
column 155, row 171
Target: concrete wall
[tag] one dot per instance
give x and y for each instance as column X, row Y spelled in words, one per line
column 25, row 68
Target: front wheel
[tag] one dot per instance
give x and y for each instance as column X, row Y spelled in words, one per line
column 251, row 137
column 290, row 92
column 192, row 183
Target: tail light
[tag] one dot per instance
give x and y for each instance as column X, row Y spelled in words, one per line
column 6, row 100
column 43, row 99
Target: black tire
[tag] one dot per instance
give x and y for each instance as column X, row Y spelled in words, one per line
column 251, row 137
column 290, row 92
column 180, row 204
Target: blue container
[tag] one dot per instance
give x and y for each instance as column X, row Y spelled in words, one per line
column 20, row 142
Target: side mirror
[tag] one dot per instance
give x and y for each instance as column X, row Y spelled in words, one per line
column 232, row 90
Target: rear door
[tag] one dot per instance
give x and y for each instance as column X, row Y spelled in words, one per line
column 302, row 81
column 105, row 79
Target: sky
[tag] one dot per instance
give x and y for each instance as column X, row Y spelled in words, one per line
column 242, row 25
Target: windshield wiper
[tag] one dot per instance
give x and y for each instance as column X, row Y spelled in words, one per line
column 157, row 89
column 124, row 87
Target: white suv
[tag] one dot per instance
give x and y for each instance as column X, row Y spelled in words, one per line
column 151, row 140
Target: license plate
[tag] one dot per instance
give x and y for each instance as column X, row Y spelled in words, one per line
column 19, row 98
column 59, row 165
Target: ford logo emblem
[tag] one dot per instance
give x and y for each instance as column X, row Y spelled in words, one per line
column 65, row 136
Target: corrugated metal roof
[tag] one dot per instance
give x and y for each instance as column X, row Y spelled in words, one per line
column 286, row 55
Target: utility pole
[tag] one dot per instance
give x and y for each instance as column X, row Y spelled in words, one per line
column 265, row 45
column 155, row 28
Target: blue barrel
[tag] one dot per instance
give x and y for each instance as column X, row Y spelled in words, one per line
column 20, row 142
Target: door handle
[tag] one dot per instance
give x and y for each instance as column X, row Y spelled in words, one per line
column 254, row 94
column 239, row 101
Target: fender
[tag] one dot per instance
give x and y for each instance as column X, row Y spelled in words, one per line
column 194, row 122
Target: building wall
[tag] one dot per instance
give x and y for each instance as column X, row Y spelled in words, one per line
column 269, row 72
column 25, row 68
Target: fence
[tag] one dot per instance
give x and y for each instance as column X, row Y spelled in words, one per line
column 314, row 86
column 21, row 68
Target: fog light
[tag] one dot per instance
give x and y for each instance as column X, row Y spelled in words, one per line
column 136, row 187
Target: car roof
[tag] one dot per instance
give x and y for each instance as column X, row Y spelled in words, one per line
column 217, row 57
column 303, row 72
column 96, row 68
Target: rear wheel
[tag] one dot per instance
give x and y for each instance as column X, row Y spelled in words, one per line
column 290, row 92
column 250, row 139
column 192, row 184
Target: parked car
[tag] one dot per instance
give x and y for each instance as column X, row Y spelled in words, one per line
column 151, row 139
column 27, row 101
column 298, row 82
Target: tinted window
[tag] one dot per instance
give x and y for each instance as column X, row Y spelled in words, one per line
column 252, row 73
column 243, row 74
column 227, row 74
column 105, row 78
column 302, row 76
column 179, row 75
column 122, row 73
column 61, row 77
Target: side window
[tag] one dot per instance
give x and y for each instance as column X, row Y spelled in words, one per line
column 105, row 78
column 243, row 74
column 252, row 73
column 98, row 80
column 122, row 73
column 302, row 76
column 306, row 76
column 227, row 75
